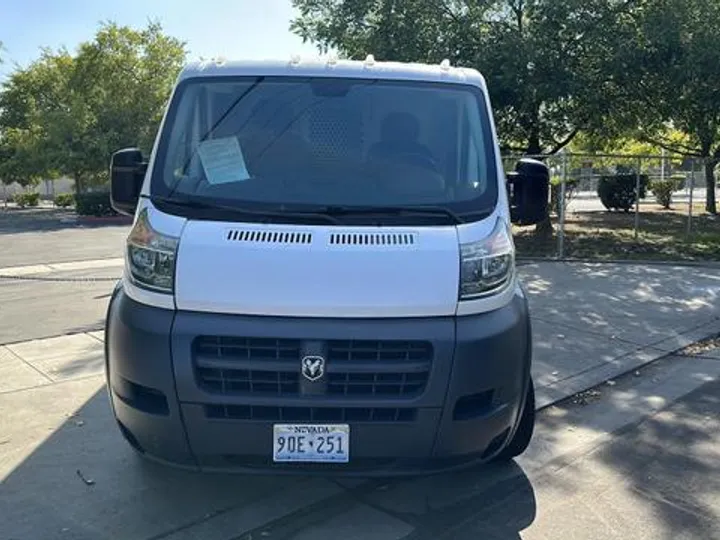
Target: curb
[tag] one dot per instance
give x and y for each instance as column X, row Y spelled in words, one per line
column 639, row 262
column 59, row 280
column 31, row 271
column 637, row 360
column 96, row 220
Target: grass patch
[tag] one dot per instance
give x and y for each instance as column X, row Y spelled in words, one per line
column 610, row 235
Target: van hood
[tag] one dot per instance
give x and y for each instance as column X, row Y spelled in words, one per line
column 311, row 271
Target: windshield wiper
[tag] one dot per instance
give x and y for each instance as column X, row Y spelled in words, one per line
column 202, row 205
column 390, row 210
column 214, row 127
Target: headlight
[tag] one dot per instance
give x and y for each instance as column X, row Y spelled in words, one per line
column 488, row 265
column 151, row 257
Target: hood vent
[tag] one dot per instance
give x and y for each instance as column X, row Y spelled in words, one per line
column 373, row 239
column 269, row 237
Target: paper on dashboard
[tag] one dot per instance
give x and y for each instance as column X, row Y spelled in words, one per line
column 223, row 161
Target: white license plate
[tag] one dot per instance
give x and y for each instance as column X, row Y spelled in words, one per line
column 303, row 443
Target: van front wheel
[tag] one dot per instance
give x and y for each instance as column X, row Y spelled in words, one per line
column 521, row 440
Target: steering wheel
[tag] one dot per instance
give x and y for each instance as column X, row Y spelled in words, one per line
column 417, row 158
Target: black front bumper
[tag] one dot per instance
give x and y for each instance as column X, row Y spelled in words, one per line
column 465, row 413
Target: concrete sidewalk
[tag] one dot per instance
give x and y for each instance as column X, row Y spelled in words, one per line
column 69, row 266
column 592, row 322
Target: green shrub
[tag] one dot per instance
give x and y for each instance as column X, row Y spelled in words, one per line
column 663, row 190
column 64, row 200
column 617, row 192
column 94, row 204
column 27, row 199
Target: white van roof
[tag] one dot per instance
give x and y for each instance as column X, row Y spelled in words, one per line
column 331, row 67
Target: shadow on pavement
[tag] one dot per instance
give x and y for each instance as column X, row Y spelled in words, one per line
column 15, row 220
column 493, row 502
column 626, row 299
column 594, row 321
column 84, row 482
column 672, row 460
column 655, row 474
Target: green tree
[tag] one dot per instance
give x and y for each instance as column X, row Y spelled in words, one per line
column 77, row 109
column 546, row 62
column 17, row 150
column 26, row 103
column 673, row 80
column 123, row 79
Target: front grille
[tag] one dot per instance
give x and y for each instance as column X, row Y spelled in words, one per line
column 309, row 414
column 256, row 349
column 271, row 367
column 379, row 351
column 245, row 381
column 376, row 384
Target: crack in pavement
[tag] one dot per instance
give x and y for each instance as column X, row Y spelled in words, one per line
column 290, row 524
column 53, row 383
column 31, row 366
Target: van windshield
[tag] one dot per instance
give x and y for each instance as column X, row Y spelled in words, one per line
column 310, row 144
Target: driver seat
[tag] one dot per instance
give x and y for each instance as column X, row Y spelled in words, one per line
column 399, row 140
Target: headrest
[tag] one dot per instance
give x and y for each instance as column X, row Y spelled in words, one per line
column 400, row 126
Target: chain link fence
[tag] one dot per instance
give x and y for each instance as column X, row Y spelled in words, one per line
column 623, row 207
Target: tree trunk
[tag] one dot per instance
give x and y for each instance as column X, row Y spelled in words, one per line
column 710, row 201
column 79, row 187
column 544, row 229
column 534, row 148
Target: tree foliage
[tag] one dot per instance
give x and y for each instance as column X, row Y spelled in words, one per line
column 65, row 114
column 675, row 80
column 544, row 60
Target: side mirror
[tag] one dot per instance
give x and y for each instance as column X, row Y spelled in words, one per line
column 127, row 172
column 528, row 192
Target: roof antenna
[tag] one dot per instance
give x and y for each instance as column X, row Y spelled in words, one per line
column 445, row 65
column 369, row 60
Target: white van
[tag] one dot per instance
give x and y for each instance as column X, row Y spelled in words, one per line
column 321, row 273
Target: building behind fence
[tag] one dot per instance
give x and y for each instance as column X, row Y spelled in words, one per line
column 47, row 189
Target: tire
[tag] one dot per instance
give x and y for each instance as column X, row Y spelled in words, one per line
column 523, row 435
